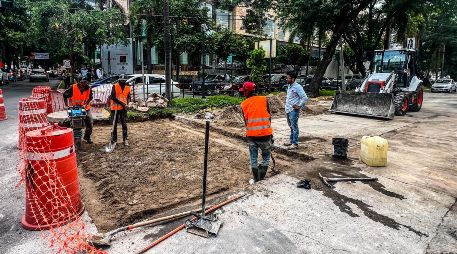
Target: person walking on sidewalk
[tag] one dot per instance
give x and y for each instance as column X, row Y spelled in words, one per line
column 80, row 94
column 295, row 100
column 257, row 118
column 120, row 96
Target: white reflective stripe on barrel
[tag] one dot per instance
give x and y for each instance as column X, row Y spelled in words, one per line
column 51, row 155
column 1, row 104
column 32, row 112
column 34, row 125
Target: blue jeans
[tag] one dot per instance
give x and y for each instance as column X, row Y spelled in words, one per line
column 265, row 147
column 292, row 120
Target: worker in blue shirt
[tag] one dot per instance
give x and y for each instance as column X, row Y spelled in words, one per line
column 296, row 99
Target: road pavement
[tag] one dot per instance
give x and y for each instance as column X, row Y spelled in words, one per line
column 411, row 209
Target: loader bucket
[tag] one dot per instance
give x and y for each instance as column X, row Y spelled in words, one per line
column 377, row 105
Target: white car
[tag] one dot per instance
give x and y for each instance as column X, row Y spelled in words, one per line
column 155, row 83
column 38, row 74
column 444, row 85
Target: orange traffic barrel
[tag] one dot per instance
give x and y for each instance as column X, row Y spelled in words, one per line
column 2, row 107
column 52, row 185
column 44, row 92
column 32, row 116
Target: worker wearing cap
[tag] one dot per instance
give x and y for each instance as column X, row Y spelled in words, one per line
column 80, row 94
column 120, row 96
column 257, row 118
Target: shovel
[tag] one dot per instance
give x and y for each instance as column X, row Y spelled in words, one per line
column 104, row 240
column 204, row 226
column 110, row 147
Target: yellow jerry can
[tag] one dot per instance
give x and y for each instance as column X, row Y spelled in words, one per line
column 373, row 151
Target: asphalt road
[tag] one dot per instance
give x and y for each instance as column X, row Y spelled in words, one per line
column 12, row 197
column 413, row 210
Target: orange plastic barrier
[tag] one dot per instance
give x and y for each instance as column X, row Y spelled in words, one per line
column 3, row 115
column 52, row 185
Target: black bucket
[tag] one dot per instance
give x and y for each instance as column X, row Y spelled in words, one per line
column 340, row 148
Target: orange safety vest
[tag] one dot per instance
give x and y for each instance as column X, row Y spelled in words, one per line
column 258, row 120
column 80, row 99
column 120, row 95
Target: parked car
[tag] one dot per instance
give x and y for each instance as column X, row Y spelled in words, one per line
column 213, row 84
column 108, row 80
column 305, row 82
column 52, row 73
column 328, row 84
column 234, row 86
column 38, row 75
column 154, row 83
column 278, row 82
column 3, row 77
column 444, row 85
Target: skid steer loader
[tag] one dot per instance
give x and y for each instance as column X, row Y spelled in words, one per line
column 391, row 88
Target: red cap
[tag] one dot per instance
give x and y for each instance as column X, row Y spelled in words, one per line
column 247, row 87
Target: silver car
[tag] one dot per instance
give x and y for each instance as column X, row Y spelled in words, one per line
column 444, row 85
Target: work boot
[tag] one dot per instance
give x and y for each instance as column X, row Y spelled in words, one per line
column 255, row 174
column 287, row 144
column 262, row 172
column 126, row 143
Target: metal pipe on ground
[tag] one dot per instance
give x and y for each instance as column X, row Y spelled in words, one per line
column 182, row 226
column 104, row 240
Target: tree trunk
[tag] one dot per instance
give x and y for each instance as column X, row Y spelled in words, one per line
column 327, row 58
column 149, row 57
column 177, row 66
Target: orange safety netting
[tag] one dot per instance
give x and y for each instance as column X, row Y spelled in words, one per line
column 48, row 169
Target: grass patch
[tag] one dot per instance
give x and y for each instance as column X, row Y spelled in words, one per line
column 191, row 105
column 327, row 92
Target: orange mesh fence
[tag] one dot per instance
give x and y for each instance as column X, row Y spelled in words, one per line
column 48, row 168
column 44, row 92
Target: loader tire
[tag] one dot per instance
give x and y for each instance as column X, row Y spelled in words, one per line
column 418, row 100
column 401, row 104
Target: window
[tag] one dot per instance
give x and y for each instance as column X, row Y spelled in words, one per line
column 223, row 18
column 123, row 59
column 139, row 80
column 281, row 35
column 157, row 80
column 269, row 28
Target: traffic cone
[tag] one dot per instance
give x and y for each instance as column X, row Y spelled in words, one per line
column 2, row 107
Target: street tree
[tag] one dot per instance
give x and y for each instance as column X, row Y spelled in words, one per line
column 187, row 19
column 14, row 22
column 72, row 30
column 228, row 43
column 292, row 54
column 332, row 17
column 257, row 64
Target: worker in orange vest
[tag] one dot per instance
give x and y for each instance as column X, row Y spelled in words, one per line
column 257, row 118
column 80, row 94
column 120, row 97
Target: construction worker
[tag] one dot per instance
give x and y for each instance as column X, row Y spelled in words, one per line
column 120, row 96
column 80, row 94
column 257, row 118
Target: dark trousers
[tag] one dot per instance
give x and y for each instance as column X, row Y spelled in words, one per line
column 89, row 124
column 121, row 115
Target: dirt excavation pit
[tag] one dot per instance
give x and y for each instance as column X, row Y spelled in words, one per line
column 161, row 170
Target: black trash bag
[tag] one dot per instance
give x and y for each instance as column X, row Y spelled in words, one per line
column 305, row 184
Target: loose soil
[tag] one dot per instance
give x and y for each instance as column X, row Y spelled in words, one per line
column 162, row 169
column 161, row 172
